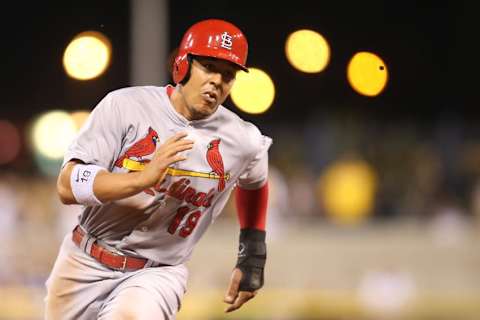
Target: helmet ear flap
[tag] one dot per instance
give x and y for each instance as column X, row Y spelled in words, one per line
column 181, row 69
column 186, row 77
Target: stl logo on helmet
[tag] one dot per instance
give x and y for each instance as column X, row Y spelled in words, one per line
column 226, row 41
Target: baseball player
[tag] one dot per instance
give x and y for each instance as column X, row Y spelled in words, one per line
column 153, row 168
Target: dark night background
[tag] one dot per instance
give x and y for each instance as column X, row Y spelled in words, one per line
column 426, row 46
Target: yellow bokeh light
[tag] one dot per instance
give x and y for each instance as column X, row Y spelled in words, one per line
column 307, row 51
column 253, row 92
column 79, row 118
column 52, row 133
column 347, row 191
column 87, row 56
column 367, row 74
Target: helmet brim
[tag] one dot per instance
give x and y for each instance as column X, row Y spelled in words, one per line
column 221, row 56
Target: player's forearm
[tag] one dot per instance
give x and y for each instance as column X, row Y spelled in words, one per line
column 93, row 185
column 114, row 186
column 107, row 186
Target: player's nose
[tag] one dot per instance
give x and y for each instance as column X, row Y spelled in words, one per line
column 216, row 78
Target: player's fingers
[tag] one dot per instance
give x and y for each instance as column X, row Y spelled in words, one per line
column 176, row 144
column 175, row 148
column 182, row 143
column 176, row 159
column 172, row 144
column 243, row 296
column 232, row 290
column 177, row 136
column 179, row 148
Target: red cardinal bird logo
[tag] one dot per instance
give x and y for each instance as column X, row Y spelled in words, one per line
column 141, row 148
column 215, row 161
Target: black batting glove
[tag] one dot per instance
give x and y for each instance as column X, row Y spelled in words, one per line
column 252, row 255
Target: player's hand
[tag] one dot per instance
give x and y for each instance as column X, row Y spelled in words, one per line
column 166, row 155
column 236, row 298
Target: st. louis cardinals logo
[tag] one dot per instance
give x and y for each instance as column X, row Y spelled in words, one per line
column 133, row 162
column 226, row 41
column 139, row 150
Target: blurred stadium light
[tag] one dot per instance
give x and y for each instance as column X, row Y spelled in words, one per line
column 52, row 132
column 79, row 118
column 253, row 92
column 367, row 74
column 346, row 190
column 87, row 56
column 307, row 51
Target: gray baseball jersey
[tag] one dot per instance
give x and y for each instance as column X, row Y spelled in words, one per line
column 163, row 223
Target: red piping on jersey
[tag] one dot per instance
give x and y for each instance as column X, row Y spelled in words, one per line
column 170, row 90
column 252, row 207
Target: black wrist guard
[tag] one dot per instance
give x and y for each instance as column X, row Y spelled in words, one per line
column 252, row 254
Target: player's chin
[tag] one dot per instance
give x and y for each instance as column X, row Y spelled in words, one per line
column 203, row 111
column 207, row 108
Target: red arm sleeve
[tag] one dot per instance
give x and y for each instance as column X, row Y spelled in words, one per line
column 252, row 207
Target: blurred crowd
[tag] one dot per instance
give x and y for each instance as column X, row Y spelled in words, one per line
column 423, row 168
column 426, row 173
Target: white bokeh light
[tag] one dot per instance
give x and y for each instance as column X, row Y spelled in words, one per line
column 52, row 133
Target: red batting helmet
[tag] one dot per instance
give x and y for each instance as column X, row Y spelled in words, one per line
column 211, row 38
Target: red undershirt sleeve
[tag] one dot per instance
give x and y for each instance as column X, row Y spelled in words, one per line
column 252, row 207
